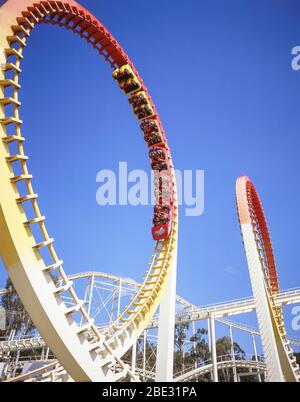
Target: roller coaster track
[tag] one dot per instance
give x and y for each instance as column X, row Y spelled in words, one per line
column 196, row 313
column 191, row 313
column 230, row 308
column 47, row 370
column 113, row 278
column 86, row 353
column 51, row 370
column 191, row 375
column 280, row 361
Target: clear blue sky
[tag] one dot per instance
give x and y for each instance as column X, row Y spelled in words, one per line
column 220, row 74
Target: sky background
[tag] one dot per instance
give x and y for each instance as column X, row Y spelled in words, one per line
column 220, row 75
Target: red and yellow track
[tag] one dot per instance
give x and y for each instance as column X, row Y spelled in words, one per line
column 280, row 361
column 86, row 353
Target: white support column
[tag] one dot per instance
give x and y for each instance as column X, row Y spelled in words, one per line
column 91, row 294
column 235, row 379
column 144, row 353
column 194, row 343
column 262, row 306
column 209, row 335
column 133, row 357
column 166, row 328
column 119, row 298
column 47, row 354
column 16, row 363
column 213, row 349
column 255, row 354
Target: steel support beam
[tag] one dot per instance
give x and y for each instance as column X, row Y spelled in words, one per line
column 166, row 328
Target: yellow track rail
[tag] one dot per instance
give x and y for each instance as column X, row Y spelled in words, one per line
column 86, row 353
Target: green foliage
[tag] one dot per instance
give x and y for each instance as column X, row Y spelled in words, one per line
column 17, row 318
column 223, row 346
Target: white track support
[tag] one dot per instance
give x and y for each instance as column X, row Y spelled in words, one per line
column 255, row 354
column 262, row 306
column 213, row 349
column 194, row 343
column 144, row 352
column 119, row 297
column 209, row 335
column 133, row 357
column 91, row 288
column 235, row 379
column 166, row 328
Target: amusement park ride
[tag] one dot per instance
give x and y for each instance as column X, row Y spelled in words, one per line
column 84, row 350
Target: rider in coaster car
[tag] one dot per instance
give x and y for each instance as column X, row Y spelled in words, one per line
column 163, row 182
column 160, row 220
column 129, row 85
column 162, row 208
column 124, row 74
column 148, row 126
column 162, row 193
column 159, row 165
column 143, row 111
column 138, row 100
column 157, row 153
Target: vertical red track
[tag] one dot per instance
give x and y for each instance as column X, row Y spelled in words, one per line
column 250, row 210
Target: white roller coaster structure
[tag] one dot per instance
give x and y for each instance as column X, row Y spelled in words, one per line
column 104, row 296
column 85, row 350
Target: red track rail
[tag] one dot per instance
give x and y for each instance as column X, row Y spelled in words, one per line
column 250, row 210
column 76, row 18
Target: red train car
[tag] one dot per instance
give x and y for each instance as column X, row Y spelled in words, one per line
column 163, row 210
column 163, row 184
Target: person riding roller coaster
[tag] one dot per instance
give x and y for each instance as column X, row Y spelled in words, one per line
column 138, row 99
column 130, row 85
column 164, row 208
column 122, row 74
column 154, row 139
column 162, row 189
column 163, row 211
column 143, row 111
column 162, row 180
column 149, row 126
column 161, row 214
column 161, row 219
column 159, row 165
column 157, row 153
column 162, row 193
column 158, row 157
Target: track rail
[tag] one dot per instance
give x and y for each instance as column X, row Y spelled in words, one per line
column 280, row 361
column 46, row 369
column 53, row 370
column 31, row 262
column 206, row 368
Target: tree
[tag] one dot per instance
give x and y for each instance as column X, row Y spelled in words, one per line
column 180, row 339
column 200, row 352
column 223, row 346
column 224, row 351
column 17, row 318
